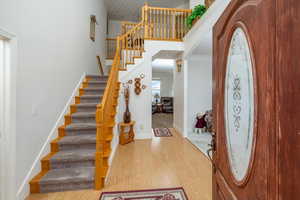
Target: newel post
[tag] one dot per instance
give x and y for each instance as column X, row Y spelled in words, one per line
column 99, row 155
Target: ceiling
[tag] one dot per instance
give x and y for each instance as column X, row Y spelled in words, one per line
column 163, row 65
column 164, row 61
column 130, row 10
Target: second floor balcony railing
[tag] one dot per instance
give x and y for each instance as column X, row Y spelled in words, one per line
column 165, row 23
column 168, row 24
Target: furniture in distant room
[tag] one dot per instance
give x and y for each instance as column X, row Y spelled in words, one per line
column 159, row 107
column 126, row 132
column 167, row 103
column 153, row 108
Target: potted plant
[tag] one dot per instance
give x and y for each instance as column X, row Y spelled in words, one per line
column 197, row 12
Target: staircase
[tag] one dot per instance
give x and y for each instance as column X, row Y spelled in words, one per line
column 79, row 155
column 71, row 163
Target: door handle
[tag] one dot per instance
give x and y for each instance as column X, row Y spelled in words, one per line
column 211, row 151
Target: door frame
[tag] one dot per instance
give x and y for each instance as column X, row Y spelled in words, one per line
column 265, row 162
column 8, row 137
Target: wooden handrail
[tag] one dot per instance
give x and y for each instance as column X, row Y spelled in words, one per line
column 105, row 120
column 208, row 3
column 170, row 9
column 100, row 65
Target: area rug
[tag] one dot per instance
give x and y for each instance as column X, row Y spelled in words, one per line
column 162, row 132
column 158, row 194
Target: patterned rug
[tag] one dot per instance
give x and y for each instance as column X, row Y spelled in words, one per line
column 159, row 194
column 162, row 132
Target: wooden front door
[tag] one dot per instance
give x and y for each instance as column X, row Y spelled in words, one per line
column 243, row 102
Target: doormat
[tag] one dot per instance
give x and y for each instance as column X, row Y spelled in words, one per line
column 158, row 194
column 162, row 132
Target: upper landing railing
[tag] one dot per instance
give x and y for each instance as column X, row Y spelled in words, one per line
column 165, row 23
column 168, row 24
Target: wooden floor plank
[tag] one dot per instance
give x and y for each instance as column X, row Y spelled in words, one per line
column 151, row 164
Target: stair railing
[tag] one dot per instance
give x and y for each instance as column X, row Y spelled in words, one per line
column 165, row 23
column 156, row 24
column 105, row 120
column 131, row 45
column 127, row 26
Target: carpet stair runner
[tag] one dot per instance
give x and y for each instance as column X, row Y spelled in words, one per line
column 71, row 163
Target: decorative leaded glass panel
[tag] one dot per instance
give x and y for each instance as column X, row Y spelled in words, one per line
column 239, row 104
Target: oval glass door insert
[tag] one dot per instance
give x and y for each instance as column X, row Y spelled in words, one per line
column 239, row 104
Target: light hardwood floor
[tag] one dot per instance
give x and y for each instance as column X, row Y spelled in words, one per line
column 152, row 164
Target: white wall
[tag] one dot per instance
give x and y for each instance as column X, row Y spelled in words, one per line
column 114, row 28
column 54, row 51
column 8, row 13
column 166, row 83
column 194, row 3
column 199, row 87
column 8, row 25
column 141, row 106
column 180, row 92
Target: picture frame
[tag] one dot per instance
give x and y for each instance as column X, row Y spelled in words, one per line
column 93, row 22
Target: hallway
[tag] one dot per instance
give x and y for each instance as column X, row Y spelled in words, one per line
column 162, row 120
column 151, row 164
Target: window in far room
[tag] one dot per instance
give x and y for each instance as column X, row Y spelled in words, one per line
column 156, row 90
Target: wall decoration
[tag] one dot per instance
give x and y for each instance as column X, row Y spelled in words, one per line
column 142, row 76
column 127, row 114
column 137, row 85
column 179, row 65
column 93, row 23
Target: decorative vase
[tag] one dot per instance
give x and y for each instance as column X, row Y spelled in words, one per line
column 127, row 114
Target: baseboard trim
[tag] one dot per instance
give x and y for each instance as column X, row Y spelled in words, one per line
column 23, row 190
column 144, row 136
column 111, row 158
column 177, row 129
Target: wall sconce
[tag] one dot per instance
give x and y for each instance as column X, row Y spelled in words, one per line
column 179, row 64
column 93, row 27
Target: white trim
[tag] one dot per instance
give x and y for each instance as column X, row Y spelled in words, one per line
column 177, row 129
column 23, row 191
column 8, row 148
column 185, row 101
column 144, row 135
column 111, row 158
